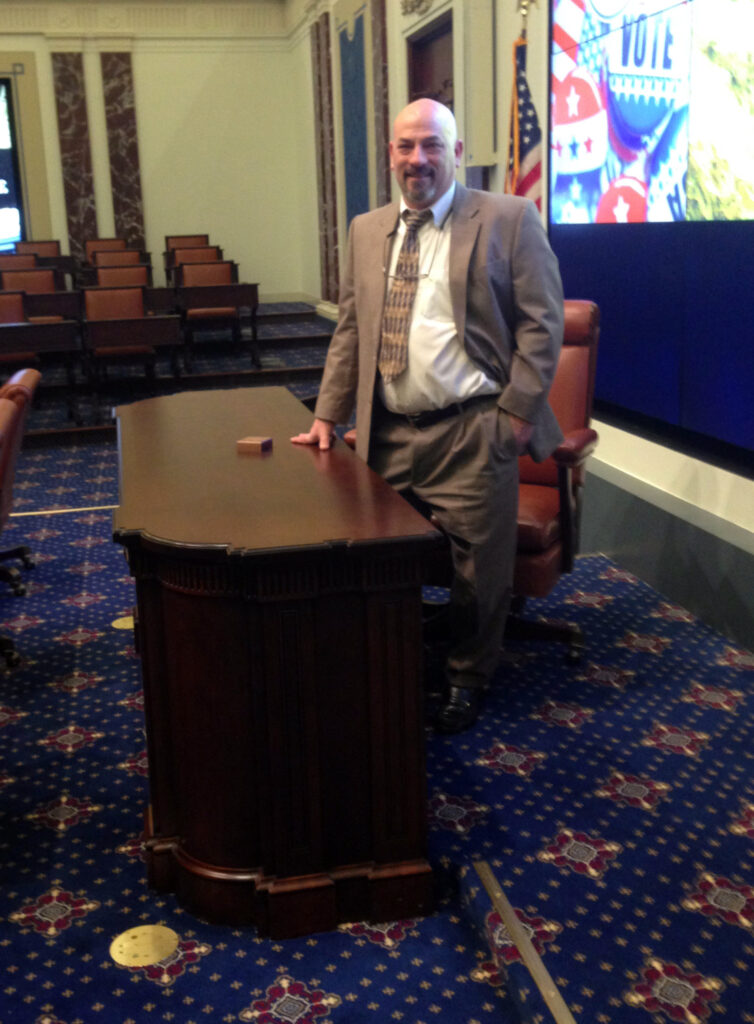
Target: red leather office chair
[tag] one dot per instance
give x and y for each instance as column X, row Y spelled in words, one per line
column 550, row 492
column 18, row 392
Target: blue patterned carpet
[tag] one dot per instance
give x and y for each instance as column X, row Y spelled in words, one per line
column 613, row 799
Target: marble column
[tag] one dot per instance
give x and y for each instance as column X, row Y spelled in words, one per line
column 75, row 152
column 125, row 177
column 325, row 145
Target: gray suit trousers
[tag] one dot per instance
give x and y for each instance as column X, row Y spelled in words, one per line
column 465, row 469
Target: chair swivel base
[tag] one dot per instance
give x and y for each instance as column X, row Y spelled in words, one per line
column 517, row 628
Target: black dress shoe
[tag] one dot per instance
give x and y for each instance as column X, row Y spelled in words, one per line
column 459, row 711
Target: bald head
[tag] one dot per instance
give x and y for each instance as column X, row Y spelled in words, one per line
column 424, row 152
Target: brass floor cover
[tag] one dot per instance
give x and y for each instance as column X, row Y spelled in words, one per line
column 147, row 944
column 125, row 622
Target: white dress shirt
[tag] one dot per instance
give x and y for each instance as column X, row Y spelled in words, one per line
column 439, row 371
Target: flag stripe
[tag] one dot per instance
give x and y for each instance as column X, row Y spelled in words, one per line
column 524, row 170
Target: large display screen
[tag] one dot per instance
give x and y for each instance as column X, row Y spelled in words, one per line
column 652, row 107
column 651, row 206
column 11, row 222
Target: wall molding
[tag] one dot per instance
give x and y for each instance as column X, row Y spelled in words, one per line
column 198, row 18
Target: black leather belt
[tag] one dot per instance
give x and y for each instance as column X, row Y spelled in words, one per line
column 432, row 416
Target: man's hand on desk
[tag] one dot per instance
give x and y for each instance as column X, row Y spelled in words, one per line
column 322, row 433
column 522, row 431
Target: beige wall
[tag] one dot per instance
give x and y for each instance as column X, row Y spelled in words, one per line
column 221, row 151
column 223, row 97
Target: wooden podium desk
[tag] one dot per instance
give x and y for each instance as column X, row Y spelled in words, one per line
column 279, row 627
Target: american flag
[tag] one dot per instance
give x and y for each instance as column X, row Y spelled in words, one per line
column 524, row 174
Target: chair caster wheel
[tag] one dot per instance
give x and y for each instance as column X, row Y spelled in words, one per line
column 12, row 659
column 19, row 589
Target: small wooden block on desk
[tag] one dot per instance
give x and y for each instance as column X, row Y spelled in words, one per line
column 248, row 445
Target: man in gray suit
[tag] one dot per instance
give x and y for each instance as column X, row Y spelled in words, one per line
column 449, row 356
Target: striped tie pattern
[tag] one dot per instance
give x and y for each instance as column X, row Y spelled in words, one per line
column 396, row 319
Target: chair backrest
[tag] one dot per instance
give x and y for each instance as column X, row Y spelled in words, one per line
column 98, row 244
column 185, row 241
column 572, row 392
column 113, row 303
column 36, row 280
column 113, row 277
column 12, row 308
column 116, row 257
column 17, row 261
column 197, row 254
column 219, row 272
column 18, row 392
column 49, row 247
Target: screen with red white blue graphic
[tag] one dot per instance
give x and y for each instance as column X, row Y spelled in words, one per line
column 651, row 111
column 651, row 209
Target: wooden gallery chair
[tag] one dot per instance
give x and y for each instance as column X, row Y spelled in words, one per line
column 173, row 242
column 48, row 254
column 26, row 341
column 46, row 299
column 18, row 392
column 17, row 261
column 194, row 254
column 211, row 298
column 184, row 241
column 117, row 329
column 134, row 275
column 34, row 280
column 47, row 248
column 550, row 492
column 93, row 245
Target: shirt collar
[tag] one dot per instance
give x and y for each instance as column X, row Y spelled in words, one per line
column 441, row 208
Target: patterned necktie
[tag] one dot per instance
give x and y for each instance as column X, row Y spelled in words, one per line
column 396, row 318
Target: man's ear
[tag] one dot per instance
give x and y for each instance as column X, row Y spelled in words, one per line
column 390, row 151
column 458, row 152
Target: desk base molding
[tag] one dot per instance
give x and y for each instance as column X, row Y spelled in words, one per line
column 284, row 908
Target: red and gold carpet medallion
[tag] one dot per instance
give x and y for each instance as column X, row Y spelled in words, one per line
column 665, row 989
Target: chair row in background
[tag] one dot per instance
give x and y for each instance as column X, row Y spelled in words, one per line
column 110, row 252
column 120, row 316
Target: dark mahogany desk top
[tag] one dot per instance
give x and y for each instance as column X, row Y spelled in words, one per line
column 183, row 483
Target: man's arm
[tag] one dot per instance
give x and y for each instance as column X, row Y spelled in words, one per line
column 538, row 323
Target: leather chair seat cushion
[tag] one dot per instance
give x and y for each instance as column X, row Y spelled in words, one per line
column 211, row 312
column 536, row 573
column 538, row 526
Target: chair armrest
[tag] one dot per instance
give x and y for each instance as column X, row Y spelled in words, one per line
column 576, row 446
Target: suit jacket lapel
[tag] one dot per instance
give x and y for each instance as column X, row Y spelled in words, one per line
column 463, row 234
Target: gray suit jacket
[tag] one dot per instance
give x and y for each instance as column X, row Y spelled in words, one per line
column 507, row 301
